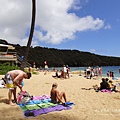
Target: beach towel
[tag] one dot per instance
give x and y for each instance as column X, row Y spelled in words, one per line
column 42, row 105
column 69, row 103
column 105, row 90
column 35, row 112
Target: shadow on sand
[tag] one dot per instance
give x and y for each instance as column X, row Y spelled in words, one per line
column 3, row 100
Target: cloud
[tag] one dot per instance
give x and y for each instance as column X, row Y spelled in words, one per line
column 108, row 26
column 14, row 20
column 98, row 51
column 54, row 23
column 93, row 50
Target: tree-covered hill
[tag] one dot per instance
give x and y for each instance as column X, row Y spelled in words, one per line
column 56, row 57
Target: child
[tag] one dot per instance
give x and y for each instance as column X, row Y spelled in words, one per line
column 56, row 97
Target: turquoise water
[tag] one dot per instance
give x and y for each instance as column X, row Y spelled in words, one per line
column 115, row 69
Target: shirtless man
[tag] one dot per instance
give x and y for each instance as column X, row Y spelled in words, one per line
column 13, row 79
column 56, row 97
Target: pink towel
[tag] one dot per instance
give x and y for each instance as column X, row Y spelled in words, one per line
column 41, row 97
column 108, row 91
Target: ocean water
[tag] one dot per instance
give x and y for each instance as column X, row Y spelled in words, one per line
column 115, row 69
column 105, row 69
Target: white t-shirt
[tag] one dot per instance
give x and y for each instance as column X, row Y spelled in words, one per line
column 65, row 69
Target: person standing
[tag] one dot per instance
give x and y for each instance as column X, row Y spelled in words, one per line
column 68, row 71
column 46, row 67
column 13, row 79
column 100, row 71
column 34, row 65
column 64, row 71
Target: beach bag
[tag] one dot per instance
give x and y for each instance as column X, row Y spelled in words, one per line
column 23, row 97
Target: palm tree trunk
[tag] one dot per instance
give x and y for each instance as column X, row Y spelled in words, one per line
column 31, row 34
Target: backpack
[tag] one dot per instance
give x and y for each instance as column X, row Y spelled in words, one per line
column 23, row 97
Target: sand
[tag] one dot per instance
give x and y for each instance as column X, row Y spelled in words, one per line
column 89, row 105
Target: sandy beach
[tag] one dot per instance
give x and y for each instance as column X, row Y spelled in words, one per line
column 89, row 105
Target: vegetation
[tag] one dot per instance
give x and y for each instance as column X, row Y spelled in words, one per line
column 73, row 58
column 5, row 67
column 32, row 70
column 57, row 58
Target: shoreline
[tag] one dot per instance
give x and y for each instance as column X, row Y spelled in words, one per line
column 105, row 69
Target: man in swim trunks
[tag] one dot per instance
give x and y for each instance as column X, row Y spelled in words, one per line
column 13, row 79
column 56, row 97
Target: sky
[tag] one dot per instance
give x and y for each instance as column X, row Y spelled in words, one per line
column 85, row 25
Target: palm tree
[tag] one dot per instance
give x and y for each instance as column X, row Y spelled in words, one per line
column 31, row 34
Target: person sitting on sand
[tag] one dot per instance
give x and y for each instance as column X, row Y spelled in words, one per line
column 2, row 83
column 13, row 79
column 56, row 97
column 112, row 87
column 56, row 75
column 104, row 84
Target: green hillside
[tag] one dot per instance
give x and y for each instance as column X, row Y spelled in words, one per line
column 56, row 57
